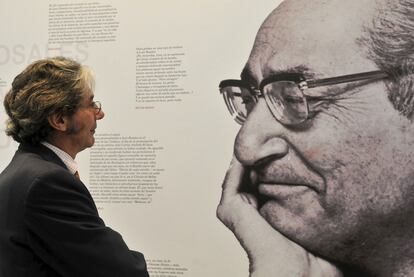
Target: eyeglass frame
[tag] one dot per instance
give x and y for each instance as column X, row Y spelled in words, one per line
column 97, row 106
column 302, row 84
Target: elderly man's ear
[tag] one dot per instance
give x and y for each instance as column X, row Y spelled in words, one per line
column 59, row 122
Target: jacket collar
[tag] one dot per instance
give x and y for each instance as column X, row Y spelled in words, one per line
column 42, row 151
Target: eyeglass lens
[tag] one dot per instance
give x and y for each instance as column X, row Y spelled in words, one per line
column 97, row 106
column 284, row 99
column 239, row 101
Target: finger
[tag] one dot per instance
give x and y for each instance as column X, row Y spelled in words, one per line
column 233, row 179
column 322, row 267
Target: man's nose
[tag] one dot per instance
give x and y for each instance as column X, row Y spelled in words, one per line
column 100, row 115
column 260, row 137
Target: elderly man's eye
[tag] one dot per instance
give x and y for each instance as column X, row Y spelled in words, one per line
column 247, row 100
column 319, row 104
column 291, row 99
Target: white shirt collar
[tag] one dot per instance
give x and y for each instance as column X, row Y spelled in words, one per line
column 70, row 163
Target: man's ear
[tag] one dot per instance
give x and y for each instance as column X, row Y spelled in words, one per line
column 58, row 122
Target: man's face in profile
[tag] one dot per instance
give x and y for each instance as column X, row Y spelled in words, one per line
column 83, row 122
column 341, row 183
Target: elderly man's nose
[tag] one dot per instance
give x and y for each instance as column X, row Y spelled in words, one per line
column 100, row 115
column 261, row 136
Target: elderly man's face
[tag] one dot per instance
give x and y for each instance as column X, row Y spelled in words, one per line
column 83, row 123
column 342, row 183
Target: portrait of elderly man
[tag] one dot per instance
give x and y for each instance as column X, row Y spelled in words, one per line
column 322, row 179
column 49, row 224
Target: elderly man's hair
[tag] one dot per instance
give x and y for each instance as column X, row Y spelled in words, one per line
column 45, row 87
column 390, row 43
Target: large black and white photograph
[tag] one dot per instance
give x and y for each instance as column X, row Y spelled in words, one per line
column 218, row 138
column 321, row 183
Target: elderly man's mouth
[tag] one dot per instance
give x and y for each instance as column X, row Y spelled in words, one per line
column 283, row 191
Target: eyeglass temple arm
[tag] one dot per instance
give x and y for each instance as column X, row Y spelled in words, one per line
column 371, row 75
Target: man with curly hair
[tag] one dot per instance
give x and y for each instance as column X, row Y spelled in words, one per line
column 49, row 224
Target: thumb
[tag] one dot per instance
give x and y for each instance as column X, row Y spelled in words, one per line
column 232, row 180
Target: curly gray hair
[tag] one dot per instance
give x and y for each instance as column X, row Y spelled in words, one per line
column 390, row 43
column 45, row 87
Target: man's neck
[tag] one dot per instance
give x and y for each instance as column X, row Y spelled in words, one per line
column 70, row 163
column 62, row 143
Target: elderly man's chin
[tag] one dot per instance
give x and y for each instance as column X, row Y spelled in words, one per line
column 300, row 218
column 304, row 221
column 92, row 137
column 91, row 141
column 88, row 142
column 284, row 203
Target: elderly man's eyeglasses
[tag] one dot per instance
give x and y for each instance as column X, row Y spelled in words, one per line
column 283, row 93
column 97, row 106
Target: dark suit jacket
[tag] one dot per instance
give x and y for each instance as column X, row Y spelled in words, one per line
column 49, row 224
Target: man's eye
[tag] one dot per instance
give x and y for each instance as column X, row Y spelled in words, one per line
column 293, row 99
column 247, row 100
column 319, row 104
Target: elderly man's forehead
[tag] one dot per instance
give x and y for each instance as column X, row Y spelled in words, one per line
column 304, row 11
column 298, row 26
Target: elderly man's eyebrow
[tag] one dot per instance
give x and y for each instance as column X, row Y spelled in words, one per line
column 299, row 69
column 247, row 74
